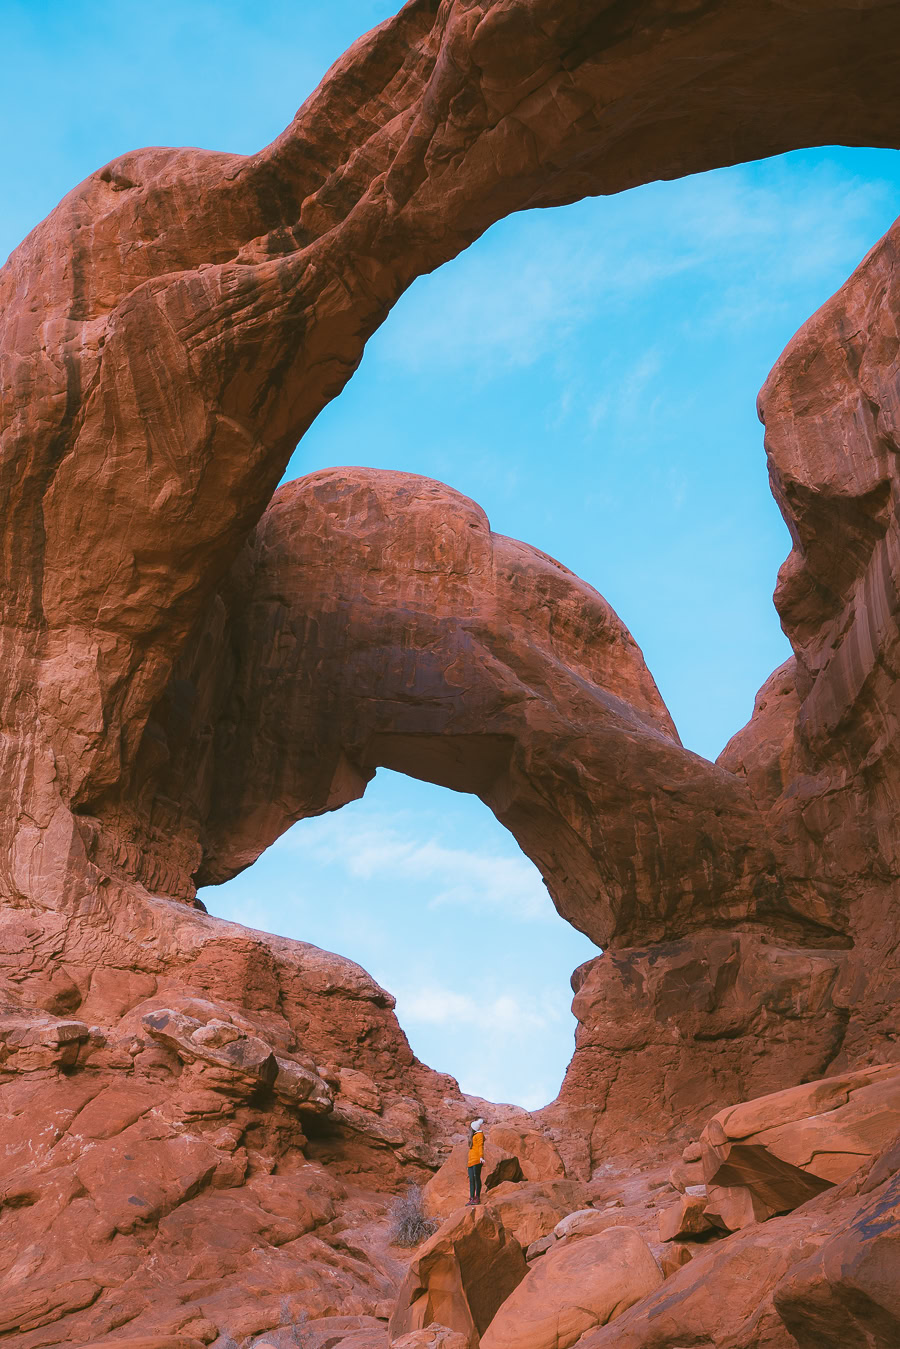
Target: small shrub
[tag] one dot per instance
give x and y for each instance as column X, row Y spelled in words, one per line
column 294, row 1325
column 290, row 1323
column 409, row 1225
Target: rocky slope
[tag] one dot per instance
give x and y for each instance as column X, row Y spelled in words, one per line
column 204, row 1125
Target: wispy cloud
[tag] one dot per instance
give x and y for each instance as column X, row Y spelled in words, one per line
column 535, row 281
column 511, row 1013
column 475, row 878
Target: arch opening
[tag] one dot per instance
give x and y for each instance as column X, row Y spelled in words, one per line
column 431, row 895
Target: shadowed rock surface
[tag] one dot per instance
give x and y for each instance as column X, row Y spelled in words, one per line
column 204, row 1125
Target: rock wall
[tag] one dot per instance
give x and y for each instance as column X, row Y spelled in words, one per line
column 192, row 660
column 822, row 753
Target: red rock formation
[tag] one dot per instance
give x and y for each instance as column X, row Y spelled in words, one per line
column 574, row 1288
column 824, row 1275
column 197, row 1114
column 822, row 752
column 460, row 1277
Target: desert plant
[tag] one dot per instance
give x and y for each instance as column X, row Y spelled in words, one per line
column 409, row 1225
column 292, row 1324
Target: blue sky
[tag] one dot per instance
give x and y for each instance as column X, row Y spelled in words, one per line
column 588, row 375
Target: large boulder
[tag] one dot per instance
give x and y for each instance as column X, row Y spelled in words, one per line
column 771, row 1154
column 531, row 1210
column 538, row 1158
column 460, row 1277
column 687, row 1217
column 431, row 1337
column 573, row 1288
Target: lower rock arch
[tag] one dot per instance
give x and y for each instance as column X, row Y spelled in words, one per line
column 374, row 620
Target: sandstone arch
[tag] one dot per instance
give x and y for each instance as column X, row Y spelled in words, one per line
column 166, row 335
column 375, row 620
column 172, row 328
column 169, row 331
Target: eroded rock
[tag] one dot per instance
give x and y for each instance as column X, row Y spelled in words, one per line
column 574, row 1288
column 460, row 1277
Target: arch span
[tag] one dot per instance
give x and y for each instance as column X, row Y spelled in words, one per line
column 197, row 310
column 374, row 620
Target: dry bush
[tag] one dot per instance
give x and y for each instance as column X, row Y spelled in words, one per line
column 409, row 1225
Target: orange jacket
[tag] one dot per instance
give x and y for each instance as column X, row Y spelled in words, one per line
column 476, row 1149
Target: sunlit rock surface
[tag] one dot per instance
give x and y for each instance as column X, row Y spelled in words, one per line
column 205, row 1126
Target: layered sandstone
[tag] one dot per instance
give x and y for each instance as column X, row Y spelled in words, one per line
column 203, row 1123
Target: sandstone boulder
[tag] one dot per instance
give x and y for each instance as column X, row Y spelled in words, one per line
column 573, row 1289
column 538, row 1158
column 431, row 1337
column 460, row 1277
column 538, row 1248
column 590, row 1222
column 686, row 1218
column 685, row 1175
column 771, row 1154
column 674, row 1256
column 576, row 1221
column 532, row 1210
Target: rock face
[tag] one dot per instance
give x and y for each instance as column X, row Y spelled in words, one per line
column 574, row 1288
column 511, row 1155
column 770, row 1155
column 822, row 1275
column 821, row 753
column 197, row 1116
column 460, row 1277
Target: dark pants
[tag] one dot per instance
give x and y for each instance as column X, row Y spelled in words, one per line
column 475, row 1182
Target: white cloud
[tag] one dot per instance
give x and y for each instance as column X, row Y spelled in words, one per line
column 525, row 289
column 500, row 1014
column 466, row 878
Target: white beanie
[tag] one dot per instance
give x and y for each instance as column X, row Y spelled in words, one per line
column 477, row 1124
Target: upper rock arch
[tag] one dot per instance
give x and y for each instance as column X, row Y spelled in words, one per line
column 172, row 328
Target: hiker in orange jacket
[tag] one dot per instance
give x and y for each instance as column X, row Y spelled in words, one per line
column 475, row 1161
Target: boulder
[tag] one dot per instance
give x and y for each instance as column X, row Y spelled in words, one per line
column 431, row 1337
column 674, row 1257
column 537, row 1156
column 684, row 1175
column 460, row 1277
column 686, row 1218
column 590, row 1222
column 575, row 1221
column 533, row 1210
column 771, row 1154
column 733, row 1207
column 574, row 1288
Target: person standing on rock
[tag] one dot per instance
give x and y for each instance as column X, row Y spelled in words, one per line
column 476, row 1161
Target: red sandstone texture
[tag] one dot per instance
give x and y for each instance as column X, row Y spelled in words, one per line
column 204, row 1126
